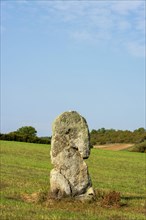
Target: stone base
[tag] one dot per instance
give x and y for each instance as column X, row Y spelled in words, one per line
column 88, row 196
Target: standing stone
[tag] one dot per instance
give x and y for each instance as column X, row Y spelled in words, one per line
column 69, row 146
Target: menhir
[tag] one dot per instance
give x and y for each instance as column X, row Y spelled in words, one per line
column 69, row 146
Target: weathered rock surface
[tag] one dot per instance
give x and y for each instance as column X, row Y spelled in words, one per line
column 69, row 146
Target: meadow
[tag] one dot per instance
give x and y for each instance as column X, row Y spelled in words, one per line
column 25, row 169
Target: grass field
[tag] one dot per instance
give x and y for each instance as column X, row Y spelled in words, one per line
column 25, row 171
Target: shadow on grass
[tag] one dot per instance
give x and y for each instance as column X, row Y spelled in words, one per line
column 133, row 197
column 3, row 185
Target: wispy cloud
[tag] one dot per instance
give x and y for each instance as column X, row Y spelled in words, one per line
column 122, row 22
column 136, row 49
column 126, row 7
column 82, row 35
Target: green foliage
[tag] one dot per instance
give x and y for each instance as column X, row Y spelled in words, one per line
column 107, row 136
column 25, row 169
column 27, row 131
column 15, row 136
column 141, row 147
column 25, row 134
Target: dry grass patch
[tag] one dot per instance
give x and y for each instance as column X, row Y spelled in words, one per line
column 110, row 199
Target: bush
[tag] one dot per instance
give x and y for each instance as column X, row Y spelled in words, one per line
column 139, row 147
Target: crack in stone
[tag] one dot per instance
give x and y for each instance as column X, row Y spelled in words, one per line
column 67, row 181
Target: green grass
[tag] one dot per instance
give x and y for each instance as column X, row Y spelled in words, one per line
column 25, row 170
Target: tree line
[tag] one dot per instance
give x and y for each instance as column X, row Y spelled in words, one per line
column 97, row 137
column 108, row 136
column 25, row 134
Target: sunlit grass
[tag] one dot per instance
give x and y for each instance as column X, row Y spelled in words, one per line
column 25, row 169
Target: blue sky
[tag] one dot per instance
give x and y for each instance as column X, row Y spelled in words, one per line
column 87, row 56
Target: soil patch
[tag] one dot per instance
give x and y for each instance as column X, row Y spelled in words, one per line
column 115, row 147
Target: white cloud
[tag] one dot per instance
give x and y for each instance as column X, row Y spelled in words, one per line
column 91, row 21
column 136, row 49
column 124, row 25
column 125, row 7
column 81, row 35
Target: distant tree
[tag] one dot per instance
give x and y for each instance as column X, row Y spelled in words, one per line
column 27, row 131
column 101, row 130
column 140, row 130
